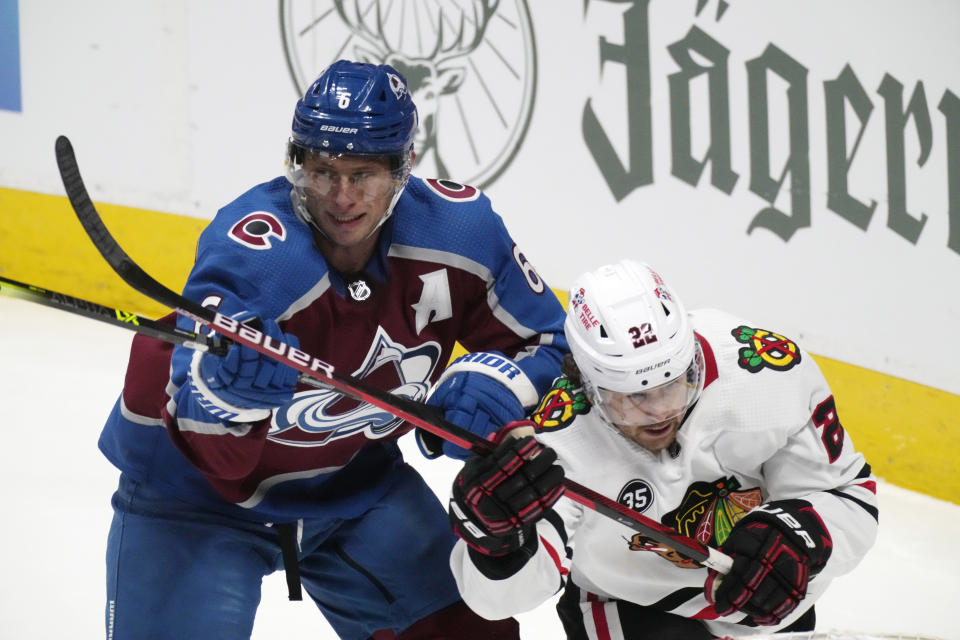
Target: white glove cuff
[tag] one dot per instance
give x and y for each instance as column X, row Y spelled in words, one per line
column 500, row 368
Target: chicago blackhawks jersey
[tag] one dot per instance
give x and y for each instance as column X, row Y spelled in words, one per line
column 765, row 428
column 445, row 270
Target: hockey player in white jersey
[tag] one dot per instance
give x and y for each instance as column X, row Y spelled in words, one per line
column 720, row 429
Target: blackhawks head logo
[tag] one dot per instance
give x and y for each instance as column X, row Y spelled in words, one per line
column 560, row 406
column 765, row 349
column 709, row 510
column 707, row 513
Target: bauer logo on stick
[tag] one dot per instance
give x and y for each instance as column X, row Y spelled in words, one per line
column 250, row 336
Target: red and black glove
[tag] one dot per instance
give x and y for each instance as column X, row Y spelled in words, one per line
column 776, row 549
column 498, row 498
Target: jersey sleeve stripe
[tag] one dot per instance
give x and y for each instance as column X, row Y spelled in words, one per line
column 872, row 510
column 137, row 418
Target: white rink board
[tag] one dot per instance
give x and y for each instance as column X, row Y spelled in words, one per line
column 180, row 106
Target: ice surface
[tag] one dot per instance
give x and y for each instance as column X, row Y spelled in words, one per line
column 59, row 377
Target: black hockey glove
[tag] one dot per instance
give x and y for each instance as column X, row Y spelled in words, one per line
column 776, row 549
column 498, row 498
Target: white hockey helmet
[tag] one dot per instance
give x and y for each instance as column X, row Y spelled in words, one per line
column 633, row 343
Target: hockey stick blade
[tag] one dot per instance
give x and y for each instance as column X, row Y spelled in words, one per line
column 310, row 367
column 116, row 257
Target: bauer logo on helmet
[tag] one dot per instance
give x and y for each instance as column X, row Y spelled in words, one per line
column 335, row 129
column 653, row 367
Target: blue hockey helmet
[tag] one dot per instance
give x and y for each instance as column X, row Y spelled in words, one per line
column 356, row 108
column 353, row 108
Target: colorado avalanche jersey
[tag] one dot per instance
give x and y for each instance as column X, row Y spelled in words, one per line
column 765, row 428
column 445, row 270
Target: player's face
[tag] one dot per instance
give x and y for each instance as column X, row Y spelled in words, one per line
column 650, row 418
column 347, row 196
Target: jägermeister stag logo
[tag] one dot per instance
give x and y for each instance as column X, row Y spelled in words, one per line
column 470, row 65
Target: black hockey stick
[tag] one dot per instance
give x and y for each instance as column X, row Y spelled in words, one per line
column 112, row 315
column 310, row 367
column 126, row 319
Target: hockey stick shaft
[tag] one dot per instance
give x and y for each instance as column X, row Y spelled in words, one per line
column 120, row 318
column 111, row 315
column 420, row 415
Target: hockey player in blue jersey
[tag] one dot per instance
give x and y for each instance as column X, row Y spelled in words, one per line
column 227, row 464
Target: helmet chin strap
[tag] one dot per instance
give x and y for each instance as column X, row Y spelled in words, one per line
column 300, row 208
column 393, row 203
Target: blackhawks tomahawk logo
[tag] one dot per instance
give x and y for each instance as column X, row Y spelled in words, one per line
column 765, row 349
column 560, row 406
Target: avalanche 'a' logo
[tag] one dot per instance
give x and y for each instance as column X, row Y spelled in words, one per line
column 765, row 349
column 256, row 229
column 316, row 418
column 560, row 406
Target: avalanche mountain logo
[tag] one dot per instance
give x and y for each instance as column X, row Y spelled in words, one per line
column 766, row 349
column 470, row 65
column 560, row 406
column 316, row 418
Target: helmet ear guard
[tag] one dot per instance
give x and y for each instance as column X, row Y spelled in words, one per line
column 629, row 334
